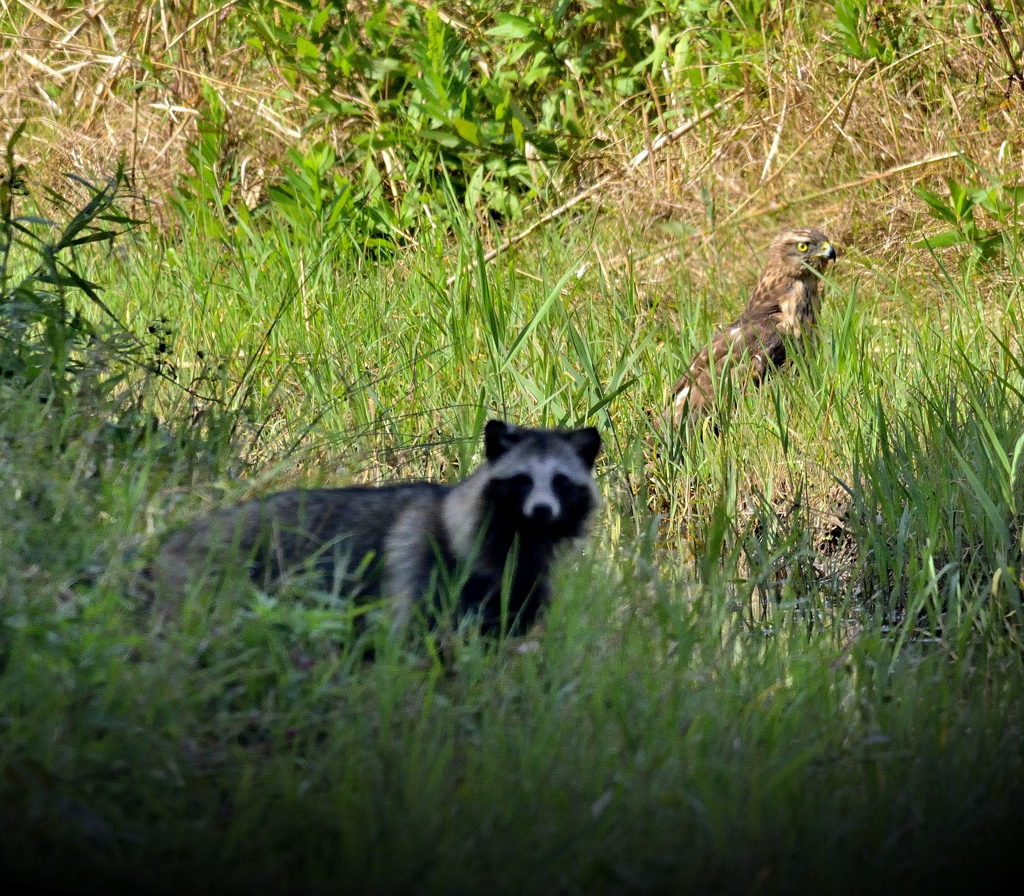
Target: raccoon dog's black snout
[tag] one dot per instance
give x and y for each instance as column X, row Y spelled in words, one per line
column 542, row 514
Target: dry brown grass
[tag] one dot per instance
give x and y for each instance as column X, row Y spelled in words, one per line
column 820, row 139
column 119, row 80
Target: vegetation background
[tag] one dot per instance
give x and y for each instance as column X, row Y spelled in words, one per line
column 253, row 244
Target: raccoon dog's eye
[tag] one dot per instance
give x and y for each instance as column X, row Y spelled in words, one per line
column 510, row 492
column 521, row 482
column 560, row 483
column 801, row 247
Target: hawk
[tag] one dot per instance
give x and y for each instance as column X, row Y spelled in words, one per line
column 782, row 308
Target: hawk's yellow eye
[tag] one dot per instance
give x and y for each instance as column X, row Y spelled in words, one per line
column 801, row 247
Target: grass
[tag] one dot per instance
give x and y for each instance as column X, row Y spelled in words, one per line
column 755, row 726
column 788, row 659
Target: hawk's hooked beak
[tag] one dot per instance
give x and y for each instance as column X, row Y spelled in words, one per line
column 827, row 251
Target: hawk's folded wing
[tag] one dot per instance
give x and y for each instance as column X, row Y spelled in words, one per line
column 747, row 348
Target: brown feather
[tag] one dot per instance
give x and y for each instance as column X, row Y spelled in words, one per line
column 783, row 303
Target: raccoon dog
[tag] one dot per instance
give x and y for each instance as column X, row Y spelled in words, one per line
column 407, row 540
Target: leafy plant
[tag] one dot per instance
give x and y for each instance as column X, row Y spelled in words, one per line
column 315, row 194
column 852, row 27
column 422, row 114
column 999, row 201
column 879, row 31
column 495, row 112
column 41, row 334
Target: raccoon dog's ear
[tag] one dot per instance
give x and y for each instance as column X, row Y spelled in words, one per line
column 499, row 437
column 586, row 443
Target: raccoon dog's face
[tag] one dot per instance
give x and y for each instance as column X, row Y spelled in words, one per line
column 540, row 481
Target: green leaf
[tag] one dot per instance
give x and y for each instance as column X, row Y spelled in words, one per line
column 467, row 130
column 33, row 219
column 306, row 49
column 445, row 138
column 318, row 23
column 95, row 237
column 1014, row 194
column 939, row 207
column 518, row 133
column 1018, row 452
column 940, row 240
column 656, row 57
column 512, row 27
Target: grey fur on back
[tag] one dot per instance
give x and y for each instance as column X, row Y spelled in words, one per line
column 280, row 533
